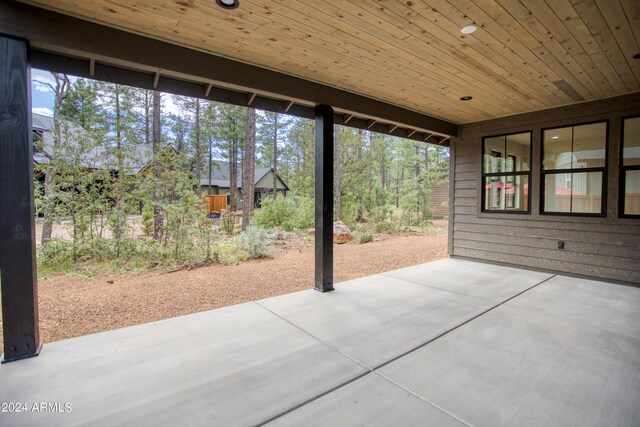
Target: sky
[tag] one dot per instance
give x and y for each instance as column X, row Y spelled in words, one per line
column 42, row 95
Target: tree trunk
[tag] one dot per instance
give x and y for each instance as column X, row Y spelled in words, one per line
column 398, row 185
column 233, row 169
column 248, row 167
column 61, row 90
column 210, row 163
column 359, row 217
column 157, row 131
column 147, row 133
column 336, row 160
column 275, row 156
column 198, row 148
column 120, row 172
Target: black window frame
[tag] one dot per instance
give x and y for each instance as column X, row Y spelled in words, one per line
column 604, row 169
column 623, row 173
column 484, row 174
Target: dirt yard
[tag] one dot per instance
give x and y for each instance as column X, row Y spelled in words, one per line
column 72, row 306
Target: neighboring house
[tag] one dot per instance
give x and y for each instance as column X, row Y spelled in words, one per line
column 220, row 182
column 137, row 160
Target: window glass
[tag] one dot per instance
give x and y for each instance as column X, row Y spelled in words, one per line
column 518, row 152
column 508, row 192
column 494, row 154
column 589, row 144
column 557, row 148
column 573, row 192
column 632, row 192
column 631, row 151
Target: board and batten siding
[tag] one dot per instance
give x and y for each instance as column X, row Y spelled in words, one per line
column 600, row 247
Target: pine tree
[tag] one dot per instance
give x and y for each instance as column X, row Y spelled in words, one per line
column 61, row 91
column 248, row 167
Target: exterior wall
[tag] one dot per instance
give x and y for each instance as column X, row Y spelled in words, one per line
column 604, row 247
column 267, row 182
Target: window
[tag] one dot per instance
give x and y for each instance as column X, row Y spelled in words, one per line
column 630, row 178
column 574, row 164
column 506, row 173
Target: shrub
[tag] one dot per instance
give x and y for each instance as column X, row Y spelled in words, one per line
column 366, row 238
column 276, row 212
column 385, row 227
column 147, row 220
column 304, row 213
column 255, row 241
column 227, row 222
column 229, row 251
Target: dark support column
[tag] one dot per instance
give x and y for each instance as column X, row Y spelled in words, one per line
column 17, row 230
column 324, row 198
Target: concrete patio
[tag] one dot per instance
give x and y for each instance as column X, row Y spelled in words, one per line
column 447, row 343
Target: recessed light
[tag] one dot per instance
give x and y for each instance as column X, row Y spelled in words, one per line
column 228, row 4
column 466, row 98
column 468, row 29
column 555, row 137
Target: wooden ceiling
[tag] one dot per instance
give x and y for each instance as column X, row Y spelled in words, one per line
column 526, row 55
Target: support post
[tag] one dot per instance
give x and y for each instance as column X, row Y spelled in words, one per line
column 324, row 199
column 17, row 228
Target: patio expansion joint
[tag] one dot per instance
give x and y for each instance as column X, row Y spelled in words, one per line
column 332, row 389
column 374, row 369
column 462, row 324
column 422, row 399
column 434, row 287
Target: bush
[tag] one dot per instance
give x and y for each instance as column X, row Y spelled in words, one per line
column 228, row 222
column 147, row 220
column 255, row 241
column 275, row 212
column 229, row 251
column 385, row 227
column 366, row 238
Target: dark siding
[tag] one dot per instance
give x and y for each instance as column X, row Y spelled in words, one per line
column 606, row 248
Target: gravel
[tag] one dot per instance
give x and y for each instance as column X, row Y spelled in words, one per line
column 71, row 306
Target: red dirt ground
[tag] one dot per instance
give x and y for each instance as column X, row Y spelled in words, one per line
column 71, row 306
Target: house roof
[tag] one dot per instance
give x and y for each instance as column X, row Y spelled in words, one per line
column 137, row 157
column 220, row 175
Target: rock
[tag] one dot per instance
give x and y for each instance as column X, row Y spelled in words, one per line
column 341, row 233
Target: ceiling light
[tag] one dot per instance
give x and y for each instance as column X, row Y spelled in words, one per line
column 555, row 137
column 228, row 4
column 466, row 98
column 468, row 29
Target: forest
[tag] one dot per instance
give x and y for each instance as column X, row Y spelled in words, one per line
column 119, row 151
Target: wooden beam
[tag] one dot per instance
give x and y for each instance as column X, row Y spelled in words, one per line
column 347, row 118
column 324, row 199
column 208, row 90
column 76, row 38
column 412, row 132
column 443, row 140
column 289, row 105
column 392, row 128
column 92, row 67
column 252, row 96
column 17, row 228
column 370, row 123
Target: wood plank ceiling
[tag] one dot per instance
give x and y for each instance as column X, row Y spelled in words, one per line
column 526, row 55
